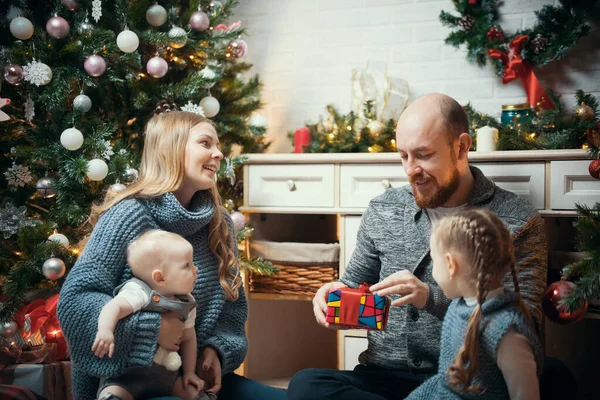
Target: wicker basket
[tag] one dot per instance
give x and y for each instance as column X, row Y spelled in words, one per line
column 303, row 267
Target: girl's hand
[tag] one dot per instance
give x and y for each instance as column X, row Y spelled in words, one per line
column 104, row 343
column 190, row 378
column 208, row 368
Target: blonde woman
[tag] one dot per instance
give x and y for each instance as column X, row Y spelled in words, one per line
column 176, row 192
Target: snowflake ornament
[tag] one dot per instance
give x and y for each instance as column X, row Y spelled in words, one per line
column 122, row 152
column 97, row 10
column 207, row 73
column 18, row 176
column 29, row 109
column 12, row 219
column 229, row 171
column 37, row 73
column 108, row 151
column 194, row 108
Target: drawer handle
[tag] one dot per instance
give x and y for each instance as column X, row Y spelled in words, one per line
column 291, row 185
column 386, row 184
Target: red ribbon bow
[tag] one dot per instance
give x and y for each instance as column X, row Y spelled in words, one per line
column 515, row 67
column 39, row 312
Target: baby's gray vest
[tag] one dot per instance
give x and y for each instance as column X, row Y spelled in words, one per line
column 182, row 305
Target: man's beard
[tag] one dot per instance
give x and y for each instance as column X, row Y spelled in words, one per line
column 442, row 193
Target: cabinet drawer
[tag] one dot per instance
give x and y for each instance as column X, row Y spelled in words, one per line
column 360, row 183
column 353, row 346
column 571, row 183
column 523, row 179
column 291, row 185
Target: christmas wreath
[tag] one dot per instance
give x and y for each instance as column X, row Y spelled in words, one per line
column 556, row 30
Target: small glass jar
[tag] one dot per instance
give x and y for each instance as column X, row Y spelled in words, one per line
column 513, row 114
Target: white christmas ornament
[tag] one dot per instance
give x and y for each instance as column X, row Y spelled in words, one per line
column 128, row 41
column 194, row 108
column 117, row 187
column 71, row 139
column 180, row 34
column 375, row 127
column 210, row 105
column 60, row 239
column 97, row 169
column 37, row 73
column 82, row 103
column 259, row 121
column 21, row 28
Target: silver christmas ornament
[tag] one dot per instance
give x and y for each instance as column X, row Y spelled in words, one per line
column 85, row 28
column 45, row 187
column 54, row 268
column 131, row 174
column 179, row 35
column 156, row 15
column 82, row 103
column 8, row 329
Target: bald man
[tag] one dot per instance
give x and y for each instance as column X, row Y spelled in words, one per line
column 392, row 255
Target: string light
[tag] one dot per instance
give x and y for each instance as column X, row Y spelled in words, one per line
column 585, row 146
column 370, row 149
column 75, row 251
column 393, row 141
column 532, row 135
column 349, row 128
column 331, row 135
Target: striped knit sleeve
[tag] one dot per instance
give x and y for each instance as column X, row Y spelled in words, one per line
column 89, row 287
column 229, row 335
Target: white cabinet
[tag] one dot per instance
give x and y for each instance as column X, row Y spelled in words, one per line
column 571, row 183
column 299, row 185
column 523, row 179
column 353, row 346
column 360, row 183
column 291, row 185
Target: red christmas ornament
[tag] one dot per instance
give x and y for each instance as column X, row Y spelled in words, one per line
column 552, row 299
column 594, row 169
column 495, row 33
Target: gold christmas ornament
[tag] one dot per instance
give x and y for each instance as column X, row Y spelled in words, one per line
column 585, row 112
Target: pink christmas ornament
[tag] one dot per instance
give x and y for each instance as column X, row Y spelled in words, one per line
column 13, row 74
column 57, row 27
column 237, row 48
column 199, row 21
column 239, row 220
column 70, row 4
column 94, row 65
column 157, row 67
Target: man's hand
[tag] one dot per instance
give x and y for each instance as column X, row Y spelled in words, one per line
column 104, row 344
column 171, row 331
column 208, row 368
column 320, row 303
column 404, row 283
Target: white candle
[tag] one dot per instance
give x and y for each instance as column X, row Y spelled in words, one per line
column 487, row 137
column 60, row 239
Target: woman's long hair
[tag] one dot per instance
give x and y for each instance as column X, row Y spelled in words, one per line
column 486, row 244
column 162, row 170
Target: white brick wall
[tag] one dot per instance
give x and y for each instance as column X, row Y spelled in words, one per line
column 305, row 51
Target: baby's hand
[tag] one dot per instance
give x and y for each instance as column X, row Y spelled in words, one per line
column 104, row 343
column 190, row 378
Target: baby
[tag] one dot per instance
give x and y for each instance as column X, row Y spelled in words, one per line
column 164, row 276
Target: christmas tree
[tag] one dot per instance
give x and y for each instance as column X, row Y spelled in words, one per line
column 83, row 78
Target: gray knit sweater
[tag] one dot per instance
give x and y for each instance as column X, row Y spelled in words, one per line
column 498, row 315
column 394, row 235
column 102, row 267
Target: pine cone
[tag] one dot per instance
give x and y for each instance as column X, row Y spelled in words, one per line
column 539, row 44
column 165, row 106
column 466, row 23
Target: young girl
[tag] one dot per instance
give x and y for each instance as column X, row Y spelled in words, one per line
column 489, row 348
column 176, row 192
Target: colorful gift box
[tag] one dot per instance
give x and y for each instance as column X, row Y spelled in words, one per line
column 357, row 308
